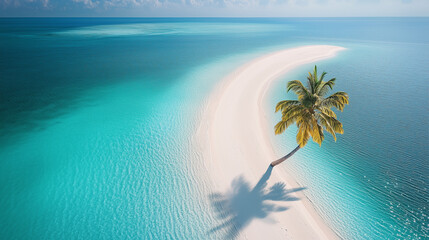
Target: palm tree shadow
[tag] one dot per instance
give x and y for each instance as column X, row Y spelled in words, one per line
column 241, row 204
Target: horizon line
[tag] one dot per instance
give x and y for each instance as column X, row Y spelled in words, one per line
column 207, row 17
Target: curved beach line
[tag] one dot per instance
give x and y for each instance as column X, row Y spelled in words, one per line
column 254, row 202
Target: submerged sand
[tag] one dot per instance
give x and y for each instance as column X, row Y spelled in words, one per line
column 252, row 200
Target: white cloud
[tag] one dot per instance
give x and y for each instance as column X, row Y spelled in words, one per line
column 88, row 3
column 20, row 3
column 133, row 3
column 45, row 3
column 7, row 3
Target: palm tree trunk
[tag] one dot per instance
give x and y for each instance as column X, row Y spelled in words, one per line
column 277, row 162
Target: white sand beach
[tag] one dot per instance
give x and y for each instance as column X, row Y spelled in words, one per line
column 253, row 202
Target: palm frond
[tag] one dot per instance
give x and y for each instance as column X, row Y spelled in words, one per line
column 310, row 84
column 312, row 80
column 303, row 135
column 282, row 105
column 317, row 132
column 337, row 100
column 298, row 88
column 292, row 110
column 336, row 125
column 281, row 126
column 324, row 87
column 327, row 111
column 322, row 76
column 304, row 127
column 326, row 125
column 289, row 116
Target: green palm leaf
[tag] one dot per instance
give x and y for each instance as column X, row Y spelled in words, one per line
column 299, row 89
column 324, row 87
column 282, row 105
column 337, row 100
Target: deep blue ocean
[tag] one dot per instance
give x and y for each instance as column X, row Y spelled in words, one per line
column 97, row 117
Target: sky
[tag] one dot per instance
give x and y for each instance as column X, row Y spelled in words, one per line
column 213, row 8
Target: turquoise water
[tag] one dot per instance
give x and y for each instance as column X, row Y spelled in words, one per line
column 97, row 117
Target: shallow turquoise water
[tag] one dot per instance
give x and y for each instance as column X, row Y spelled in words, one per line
column 97, row 117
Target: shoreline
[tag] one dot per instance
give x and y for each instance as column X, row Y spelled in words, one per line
column 236, row 146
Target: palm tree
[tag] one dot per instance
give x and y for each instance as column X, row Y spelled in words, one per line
column 311, row 112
